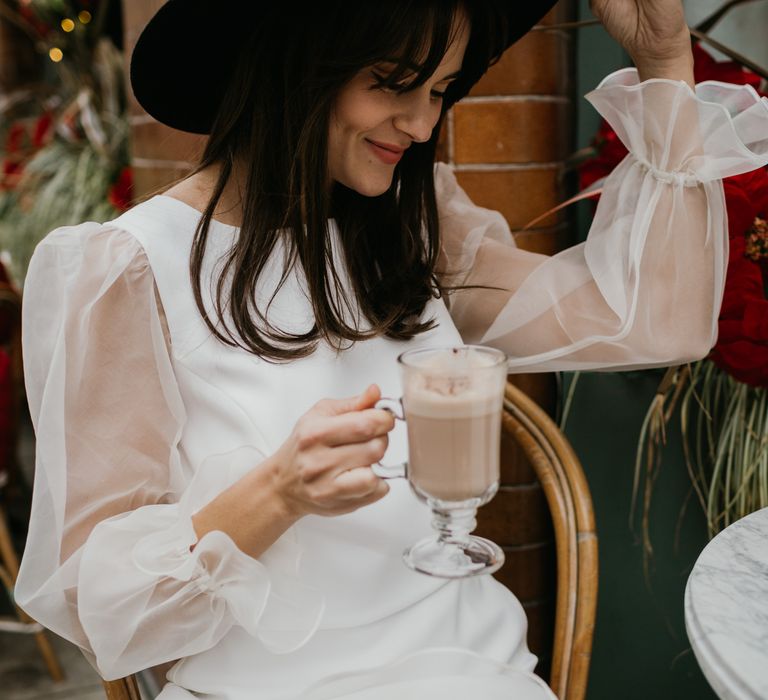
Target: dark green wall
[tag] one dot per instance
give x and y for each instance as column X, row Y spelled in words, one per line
column 597, row 55
column 640, row 647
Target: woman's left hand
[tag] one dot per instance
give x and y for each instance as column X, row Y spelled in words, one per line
column 653, row 32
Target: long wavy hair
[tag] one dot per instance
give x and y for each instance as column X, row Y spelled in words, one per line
column 274, row 119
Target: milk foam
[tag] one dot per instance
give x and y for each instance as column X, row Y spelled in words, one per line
column 460, row 383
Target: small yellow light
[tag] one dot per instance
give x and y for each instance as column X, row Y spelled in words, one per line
column 84, row 16
column 67, row 25
column 55, row 54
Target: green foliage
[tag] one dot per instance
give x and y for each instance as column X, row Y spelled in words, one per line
column 63, row 175
column 63, row 184
column 725, row 426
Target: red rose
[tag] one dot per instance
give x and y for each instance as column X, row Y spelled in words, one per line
column 14, row 140
column 705, row 67
column 746, row 197
column 11, row 173
column 121, row 193
column 742, row 344
column 32, row 18
column 42, row 130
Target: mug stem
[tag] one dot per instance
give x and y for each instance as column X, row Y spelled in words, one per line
column 453, row 526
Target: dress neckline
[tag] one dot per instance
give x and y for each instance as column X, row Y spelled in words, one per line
column 196, row 212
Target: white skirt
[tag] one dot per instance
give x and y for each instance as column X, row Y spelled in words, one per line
column 465, row 640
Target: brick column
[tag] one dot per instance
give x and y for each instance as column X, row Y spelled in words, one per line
column 507, row 142
column 159, row 154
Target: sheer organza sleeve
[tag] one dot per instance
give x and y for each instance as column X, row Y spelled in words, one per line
column 109, row 562
column 645, row 288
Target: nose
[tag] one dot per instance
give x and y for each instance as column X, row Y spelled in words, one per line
column 418, row 115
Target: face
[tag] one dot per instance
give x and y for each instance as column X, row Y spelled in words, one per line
column 371, row 126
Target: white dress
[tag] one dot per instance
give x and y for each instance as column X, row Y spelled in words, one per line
column 142, row 418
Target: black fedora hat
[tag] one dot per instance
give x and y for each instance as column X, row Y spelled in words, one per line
column 184, row 53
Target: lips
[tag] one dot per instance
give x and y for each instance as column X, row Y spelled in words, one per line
column 386, row 152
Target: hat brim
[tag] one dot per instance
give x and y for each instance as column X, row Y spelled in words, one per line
column 188, row 46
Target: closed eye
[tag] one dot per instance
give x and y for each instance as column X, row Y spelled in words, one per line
column 382, row 82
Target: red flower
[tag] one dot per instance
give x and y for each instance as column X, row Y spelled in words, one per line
column 14, row 140
column 11, row 170
column 742, row 344
column 705, row 67
column 42, row 130
column 757, row 241
column 121, row 193
column 610, row 152
column 29, row 14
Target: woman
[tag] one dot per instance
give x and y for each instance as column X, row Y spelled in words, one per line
column 197, row 368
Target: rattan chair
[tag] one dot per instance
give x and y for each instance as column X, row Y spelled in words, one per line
column 570, row 504
column 123, row 689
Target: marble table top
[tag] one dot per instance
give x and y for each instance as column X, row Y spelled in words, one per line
column 726, row 609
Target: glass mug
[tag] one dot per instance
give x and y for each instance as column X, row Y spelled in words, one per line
column 451, row 404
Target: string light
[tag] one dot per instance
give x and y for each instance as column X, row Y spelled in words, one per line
column 67, row 25
column 84, row 16
column 55, row 54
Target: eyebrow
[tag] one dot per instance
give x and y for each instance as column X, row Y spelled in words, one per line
column 416, row 68
column 451, row 76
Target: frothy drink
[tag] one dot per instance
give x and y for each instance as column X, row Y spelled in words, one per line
column 453, row 403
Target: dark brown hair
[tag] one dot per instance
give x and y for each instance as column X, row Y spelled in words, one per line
column 274, row 117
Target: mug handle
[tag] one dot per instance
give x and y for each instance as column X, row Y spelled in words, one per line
column 393, row 471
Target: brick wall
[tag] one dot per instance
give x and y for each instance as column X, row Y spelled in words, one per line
column 507, row 142
column 159, row 154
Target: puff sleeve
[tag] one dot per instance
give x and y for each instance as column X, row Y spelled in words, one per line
column 109, row 559
column 645, row 288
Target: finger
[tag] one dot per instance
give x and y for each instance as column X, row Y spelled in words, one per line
column 336, row 407
column 356, row 483
column 360, row 454
column 381, row 490
column 350, row 505
column 369, row 397
column 360, row 426
column 328, row 462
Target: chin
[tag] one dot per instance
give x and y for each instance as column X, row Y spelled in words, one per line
column 372, row 191
column 373, row 185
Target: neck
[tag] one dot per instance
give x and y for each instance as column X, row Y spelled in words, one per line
column 197, row 189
